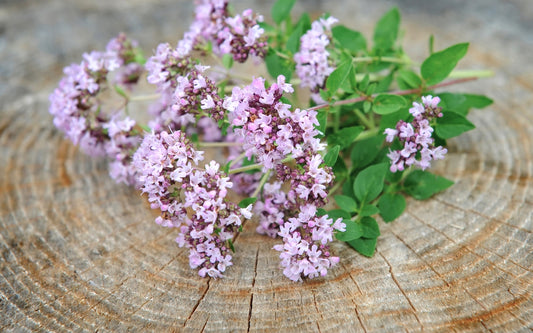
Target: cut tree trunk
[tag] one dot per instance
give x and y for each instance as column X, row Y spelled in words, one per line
column 79, row 253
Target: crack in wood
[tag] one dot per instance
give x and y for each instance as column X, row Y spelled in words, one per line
column 252, row 290
column 423, row 260
column 205, row 324
column 317, row 310
column 198, row 302
column 353, row 301
column 401, row 290
column 485, row 326
column 146, row 302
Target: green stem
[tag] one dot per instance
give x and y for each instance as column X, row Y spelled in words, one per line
column 237, row 159
column 282, row 55
column 142, row 98
column 367, row 134
column 460, row 74
column 232, row 75
column 335, row 188
column 363, row 118
column 383, row 59
column 218, row 144
column 245, row 168
column 262, row 182
column 256, row 166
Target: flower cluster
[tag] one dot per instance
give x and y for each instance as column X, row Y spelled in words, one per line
column 238, row 35
column 418, row 145
column 271, row 132
column 124, row 140
column 304, row 251
column 312, row 64
column 272, row 209
column 194, row 92
column 78, row 113
column 74, row 106
column 169, row 174
column 274, row 153
column 126, row 51
column 268, row 129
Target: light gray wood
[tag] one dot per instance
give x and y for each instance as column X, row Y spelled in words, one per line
column 79, row 253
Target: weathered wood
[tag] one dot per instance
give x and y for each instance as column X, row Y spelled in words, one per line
column 79, row 253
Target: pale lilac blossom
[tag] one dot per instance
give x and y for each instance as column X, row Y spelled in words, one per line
column 312, row 60
column 416, row 137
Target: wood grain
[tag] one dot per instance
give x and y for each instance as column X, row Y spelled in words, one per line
column 79, row 253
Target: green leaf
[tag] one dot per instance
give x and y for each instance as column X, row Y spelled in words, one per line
column 304, row 24
column 452, row 124
column 338, row 76
column 365, row 151
column 386, row 30
column 353, row 231
column 227, row 60
column 331, row 157
column 276, row 66
column 370, row 227
column 369, row 183
column 384, row 84
column 371, row 88
column 146, row 128
column 267, row 27
column 334, row 214
column 349, row 39
column 439, row 65
column 363, row 84
column 281, row 10
column 477, row 101
column 346, row 203
column 347, row 188
column 345, row 137
column 139, row 56
column 385, row 103
column 422, row 185
column 367, row 105
column 246, row 202
column 322, row 118
column 121, row 91
column 462, row 103
column 194, row 138
column 368, row 210
column 226, row 167
column 391, row 206
column 365, row 246
column 339, row 169
column 230, row 243
column 390, row 120
column 408, row 79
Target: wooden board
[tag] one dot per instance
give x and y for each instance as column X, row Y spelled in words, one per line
column 78, row 253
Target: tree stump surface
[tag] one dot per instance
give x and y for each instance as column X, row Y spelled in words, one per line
column 79, row 253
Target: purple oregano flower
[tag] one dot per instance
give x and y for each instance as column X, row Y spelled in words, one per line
column 418, row 145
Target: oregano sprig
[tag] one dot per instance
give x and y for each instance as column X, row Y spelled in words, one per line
column 371, row 128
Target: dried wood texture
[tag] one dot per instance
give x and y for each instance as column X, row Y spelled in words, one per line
column 78, row 253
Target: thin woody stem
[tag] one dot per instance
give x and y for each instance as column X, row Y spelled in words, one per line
column 262, row 182
column 398, row 92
